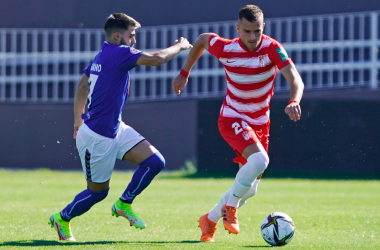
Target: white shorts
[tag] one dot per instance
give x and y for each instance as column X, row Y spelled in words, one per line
column 99, row 153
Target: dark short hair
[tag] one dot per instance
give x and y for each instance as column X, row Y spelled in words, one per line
column 119, row 21
column 251, row 13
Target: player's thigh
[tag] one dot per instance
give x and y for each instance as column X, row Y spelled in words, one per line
column 132, row 146
column 140, row 152
column 252, row 149
column 97, row 154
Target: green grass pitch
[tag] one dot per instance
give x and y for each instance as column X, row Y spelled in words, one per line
column 328, row 214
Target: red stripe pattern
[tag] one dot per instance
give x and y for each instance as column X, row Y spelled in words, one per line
column 250, row 76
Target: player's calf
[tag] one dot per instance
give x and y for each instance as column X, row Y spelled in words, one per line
column 251, row 192
column 82, row 203
column 143, row 176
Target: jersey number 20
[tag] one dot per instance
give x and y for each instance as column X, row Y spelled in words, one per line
column 237, row 127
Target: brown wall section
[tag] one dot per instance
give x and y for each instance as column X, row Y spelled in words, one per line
column 38, row 136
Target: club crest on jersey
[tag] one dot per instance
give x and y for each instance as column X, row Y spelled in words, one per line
column 262, row 61
column 246, row 135
column 134, row 51
column 213, row 41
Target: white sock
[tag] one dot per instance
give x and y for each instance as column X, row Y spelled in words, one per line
column 256, row 163
column 250, row 193
column 216, row 214
column 237, row 192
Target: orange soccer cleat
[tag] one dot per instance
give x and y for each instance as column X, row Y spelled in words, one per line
column 208, row 228
column 230, row 221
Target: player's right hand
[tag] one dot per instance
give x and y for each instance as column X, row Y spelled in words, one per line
column 184, row 43
column 178, row 83
column 77, row 124
column 293, row 110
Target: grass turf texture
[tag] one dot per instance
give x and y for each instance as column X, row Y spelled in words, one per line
column 327, row 214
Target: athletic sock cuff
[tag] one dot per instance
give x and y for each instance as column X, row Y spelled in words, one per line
column 156, row 157
column 211, row 222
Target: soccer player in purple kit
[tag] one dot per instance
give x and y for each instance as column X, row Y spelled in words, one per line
column 101, row 136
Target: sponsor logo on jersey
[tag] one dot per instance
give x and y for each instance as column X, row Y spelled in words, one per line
column 134, row 51
column 246, row 135
column 213, row 41
column 282, row 53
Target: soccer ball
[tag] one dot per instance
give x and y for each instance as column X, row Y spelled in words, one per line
column 277, row 229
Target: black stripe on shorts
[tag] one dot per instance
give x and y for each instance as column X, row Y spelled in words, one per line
column 88, row 167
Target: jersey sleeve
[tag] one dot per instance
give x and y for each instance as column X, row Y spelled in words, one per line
column 87, row 70
column 216, row 45
column 127, row 57
column 277, row 54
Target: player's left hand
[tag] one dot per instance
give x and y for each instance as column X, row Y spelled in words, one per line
column 293, row 110
column 184, row 43
column 178, row 83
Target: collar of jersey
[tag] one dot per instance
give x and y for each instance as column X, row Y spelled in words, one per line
column 253, row 51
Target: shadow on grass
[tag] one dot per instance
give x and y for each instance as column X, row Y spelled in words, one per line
column 34, row 243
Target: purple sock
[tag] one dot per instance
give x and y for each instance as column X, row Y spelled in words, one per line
column 143, row 176
column 82, row 203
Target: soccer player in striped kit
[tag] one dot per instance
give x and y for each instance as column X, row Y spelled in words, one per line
column 250, row 63
column 101, row 136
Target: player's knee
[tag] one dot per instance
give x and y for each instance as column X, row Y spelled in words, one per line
column 156, row 162
column 259, row 160
column 160, row 161
column 99, row 196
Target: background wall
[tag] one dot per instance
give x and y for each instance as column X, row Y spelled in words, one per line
column 39, row 136
column 337, row 136
column 92, row 14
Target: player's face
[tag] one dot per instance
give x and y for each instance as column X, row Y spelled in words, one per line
column 250, row 32
column 128, row 37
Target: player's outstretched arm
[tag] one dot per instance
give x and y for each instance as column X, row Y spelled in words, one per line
column 180, row 81
column 162, row 56
column 293, row 109
column 80, row 100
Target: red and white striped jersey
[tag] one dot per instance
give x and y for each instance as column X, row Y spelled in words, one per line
column 250, row 76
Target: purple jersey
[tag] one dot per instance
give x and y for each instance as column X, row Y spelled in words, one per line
column 108, row 77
